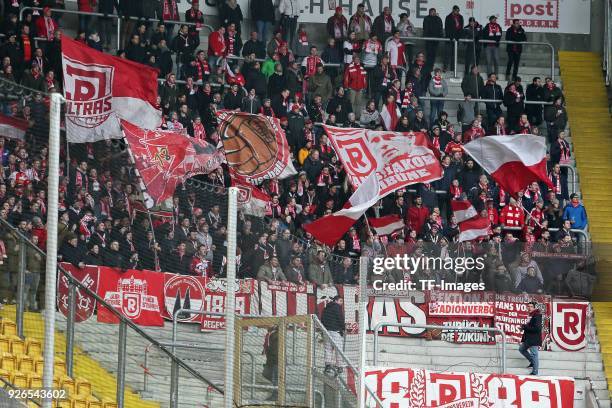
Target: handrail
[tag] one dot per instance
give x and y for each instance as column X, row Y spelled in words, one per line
column 457, row 99
column 607, row 53
column 572, row 170
column 239, row 58
column 7, row 384
column 438, row 327
column 122, row 319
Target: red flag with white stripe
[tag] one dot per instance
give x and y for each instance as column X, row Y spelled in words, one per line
column 513, row 161
column 463, row 210
column 331, row 228
column 474, row 228
column 13, row 128
column 390, row 115
column 386, row 225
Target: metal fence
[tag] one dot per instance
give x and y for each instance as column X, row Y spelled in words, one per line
column 607, row 44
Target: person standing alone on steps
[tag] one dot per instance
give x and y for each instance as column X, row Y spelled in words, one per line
column 532, row 337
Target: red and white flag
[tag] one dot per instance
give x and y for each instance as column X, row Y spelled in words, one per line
column 398, row 159
column 386, row 225
column 331, row 228
column 390, row 115
column 251, row 200
column 474, row 228
column 513, row 161
column 163, row 159
column 101, row 89
column 13, row 128
column 463, row 210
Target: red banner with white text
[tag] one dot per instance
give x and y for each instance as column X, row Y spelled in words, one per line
column 408, row 387
column 214, row 301
column 85, row 304
column 511, row 314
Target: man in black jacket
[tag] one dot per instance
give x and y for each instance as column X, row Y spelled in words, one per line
column 492, row 91
column 534, row 92
column 453, row 27
column 333, row 320
column 514, row 33
column 532, row 337
column 432, row 27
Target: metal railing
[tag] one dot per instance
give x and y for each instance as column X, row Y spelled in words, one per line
column 115, row 16
column 457, row 99
column 467, row 40
column 446, row 328
column 124, row 323
column 607, row 51
column 574, row 178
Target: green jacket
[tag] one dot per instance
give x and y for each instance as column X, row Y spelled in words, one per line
column 265, row 272
column 320, row 273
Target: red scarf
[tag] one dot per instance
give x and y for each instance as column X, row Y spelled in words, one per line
column 203, row 69
column 437, row 80
column 303, row 38
column 456, row 192
column 170, row 10
column 199, row 132
column 500, row 130
column 565, row 151
column 311, row 65
column 494, row 28
column 406, row 98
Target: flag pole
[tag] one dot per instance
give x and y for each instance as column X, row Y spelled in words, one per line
column 157, row 266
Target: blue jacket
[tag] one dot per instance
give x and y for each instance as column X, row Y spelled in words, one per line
column 577, row 214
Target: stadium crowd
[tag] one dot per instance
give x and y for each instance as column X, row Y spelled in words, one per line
column 363, row 77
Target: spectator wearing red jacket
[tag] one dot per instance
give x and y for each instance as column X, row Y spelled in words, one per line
column 355, row 80
column 216, row 47
column 417, row 215
column 512, row 215
column 45, row 25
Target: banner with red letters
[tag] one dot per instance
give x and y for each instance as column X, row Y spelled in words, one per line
column 411, row 388
column 85, row 304
column 511, row 314
column 148, row 297
column 138, row 295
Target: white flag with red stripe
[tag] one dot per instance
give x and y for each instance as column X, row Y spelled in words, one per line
column 386, row 225
column 463, row 210
column 331, row 228
column 474, row 228
column 390, row 115
column 513, row 161
column 13, row 128
column 251, row 200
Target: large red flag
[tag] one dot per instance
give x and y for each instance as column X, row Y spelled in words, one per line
column 100, row 89
column 164, row 159
column 399, row 159
column 13, row 128
column 251, row 199
column 513, row 161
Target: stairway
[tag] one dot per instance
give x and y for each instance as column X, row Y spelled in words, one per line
column 590, row 122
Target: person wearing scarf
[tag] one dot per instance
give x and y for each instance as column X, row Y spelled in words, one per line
column 350, row 47
column 360, row 23
column 337, row 26
column 45, row 25
column 216, row 46
column 474, row 132
column 492, row 32
column 437, row 88
column 560, row 150
column 170, row 13
column 390, row 113
column 455, row 190
column 513, row 100
column 384, row 25
column 233, row 43
column 195, row 16
column 201, row 69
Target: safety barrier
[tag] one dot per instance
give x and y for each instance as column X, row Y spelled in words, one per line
column 446, row 328
column 574, row 179
column 607, row 51
column 456, row 99
column 116, row 17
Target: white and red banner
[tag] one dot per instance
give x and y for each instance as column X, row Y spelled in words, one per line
column 418, row 388
column 255, row 146
column 474, row 228
column 463, row 210
column 85, row 304
column 13, row 128
column 148, row 297
column 137, row 295
column 543, row 16
column 251, row 199
column 398, row 159
column 214, row 301
column 164, row 159
column 100, row 89
column 511, row 314
column 568, row 327
column 330, row 228
column 513, row 161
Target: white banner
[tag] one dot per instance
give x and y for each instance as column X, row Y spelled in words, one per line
column 545, row 16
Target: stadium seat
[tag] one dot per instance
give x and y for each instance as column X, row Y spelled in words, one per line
column 110, row 405
column 95, row 404
column 83, row 387
column 34, row 381
column 25, row 363
column 38, row 365
column 20, row 380
column 9, row 328
column 5, row 344
column 17, row 346
column 33, row 348
column 60, row 366
column 79, row 402
column 8, row 362
column 68, row 384
column 5, row 374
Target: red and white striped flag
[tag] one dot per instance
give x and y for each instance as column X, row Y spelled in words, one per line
column 390, row 115
column 251, row 200
column 331, row 228
column 13, row 128
column 386, row 225
column 513, row 161
column 474, row 228
column 463, row 210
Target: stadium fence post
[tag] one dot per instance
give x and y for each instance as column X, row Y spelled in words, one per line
column 51, row 261
column 363, row 325
column 230, row 299
column 70, row 328
column 121, row 357
column 21, row 285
